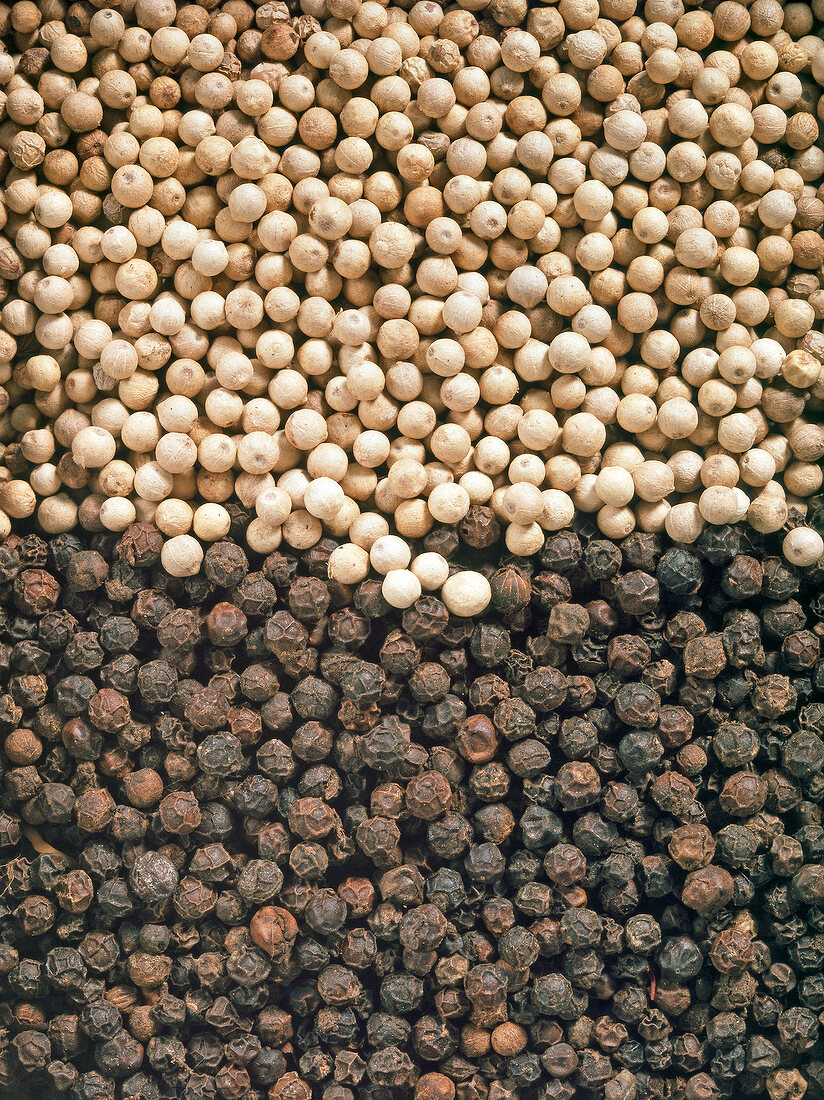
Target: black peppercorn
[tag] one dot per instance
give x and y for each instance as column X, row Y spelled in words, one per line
column 679, row 571
column 479, row 529
column 609, row 801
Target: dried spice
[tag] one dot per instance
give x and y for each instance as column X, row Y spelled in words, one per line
column 284, row 273
column 244, row 853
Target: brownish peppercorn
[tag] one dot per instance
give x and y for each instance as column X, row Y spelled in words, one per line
column 704, row 657
column 94, row 810
column 226, row 625
column 477, row 739
column 273, row 930
column 479, row 529
column 74, row 891
column 36, row 591
column 179, row 813
column 279, row 42
column 743, row 794
column 707, row 890
column 568, row 623
column 21, row 746
column 428, row 795
column 692, row 847
column 87, row 571
column 511, row 590
column 434, row 1086
column 143, row 788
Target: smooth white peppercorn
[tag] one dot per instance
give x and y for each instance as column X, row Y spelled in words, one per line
column 182, row 556
column 466, row 593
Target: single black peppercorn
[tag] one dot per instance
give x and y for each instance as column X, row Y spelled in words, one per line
column 679, row 571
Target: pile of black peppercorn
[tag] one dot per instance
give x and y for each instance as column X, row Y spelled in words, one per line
column 262, row 838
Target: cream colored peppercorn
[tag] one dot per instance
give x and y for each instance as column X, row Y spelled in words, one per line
column 558, row 510
column 57, row 514
column 93, row 447
column 615, row 486
column 722, row 504
column 211, row 522
column 349, row 564
column 431, row 569
column 448, row 503
column 466, row 593
column 801, row 369
column 182, row 556
column 803, row 547
column 17, row 499
column 684, row 522
column 173, row 517
column 768, row 511
column 583, row 434
column 802, row 479
column 400, row 588
column 389, row 552
column 117, row 513
column 677, row 418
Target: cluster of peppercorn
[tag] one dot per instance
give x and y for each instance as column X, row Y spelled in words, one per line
column 264, row 838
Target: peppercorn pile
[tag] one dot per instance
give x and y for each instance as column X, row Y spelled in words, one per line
column 356, row 263
column 264, row 837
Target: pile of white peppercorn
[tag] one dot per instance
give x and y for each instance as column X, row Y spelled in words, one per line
column 359, row 267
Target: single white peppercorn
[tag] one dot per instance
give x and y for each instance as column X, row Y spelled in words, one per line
column 684, row 522
column 211, row 522
column 400, row 588
column 431, row 569
column 349, row 564
column 466, row 593
column 182, row 556
column 389, row 552
column 262, row 538
column 803, row 546
column 615, row 486
column 92, row 447
column 173, row 516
